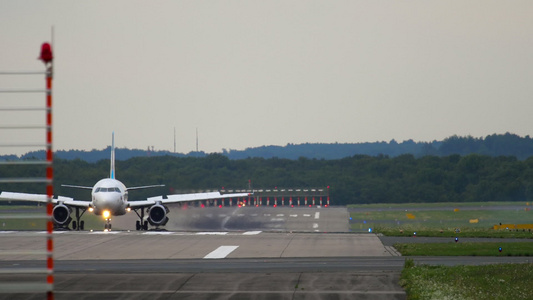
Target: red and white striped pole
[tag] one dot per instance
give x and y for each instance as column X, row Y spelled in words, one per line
column 47, row 57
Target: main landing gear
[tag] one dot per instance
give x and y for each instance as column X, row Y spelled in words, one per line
column 141, row 224
column 79, row 225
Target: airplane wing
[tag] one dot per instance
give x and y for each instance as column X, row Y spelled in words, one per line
column 43, row 199
column 184, row 198
column 201, row 196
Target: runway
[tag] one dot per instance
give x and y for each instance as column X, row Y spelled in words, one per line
column 215, row 253
column 218, row 253
column 249, row 218
column 244, row 253
column 199, row 245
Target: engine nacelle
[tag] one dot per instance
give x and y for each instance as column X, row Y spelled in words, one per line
column 157, row 215
column 61, row 215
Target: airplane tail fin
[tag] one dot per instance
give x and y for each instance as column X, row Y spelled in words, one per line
column 112, row 171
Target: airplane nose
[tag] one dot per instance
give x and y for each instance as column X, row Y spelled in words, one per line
column 106, row 200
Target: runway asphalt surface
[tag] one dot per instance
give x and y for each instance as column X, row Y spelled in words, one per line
column 219, row 253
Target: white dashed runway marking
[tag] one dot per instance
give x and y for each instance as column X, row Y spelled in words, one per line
column 158, row 232
column 221, row 252
column 251, row 232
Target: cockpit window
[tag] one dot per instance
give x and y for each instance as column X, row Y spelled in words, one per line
column 103, row 189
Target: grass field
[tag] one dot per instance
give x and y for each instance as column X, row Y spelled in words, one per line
column 466, row 249
column 34, row 218
column 499, row 281
column 443, row 219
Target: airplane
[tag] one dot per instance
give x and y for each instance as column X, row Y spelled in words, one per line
column 109, row 197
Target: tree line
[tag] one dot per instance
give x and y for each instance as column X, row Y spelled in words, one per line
column 492, row 145
column 352, row 180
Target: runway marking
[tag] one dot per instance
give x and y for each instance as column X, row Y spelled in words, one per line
column 280, row 215
column 294, row 216
column 221, row 252
column 266, row 215
column 317, row 215
column 158, row 232
column 211, row 233
column 307, row 215
column 315, row 225
column 276, row 219
column 251, row 232
column 105, row 232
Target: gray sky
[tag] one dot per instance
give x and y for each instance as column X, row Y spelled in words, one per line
column 253, row 73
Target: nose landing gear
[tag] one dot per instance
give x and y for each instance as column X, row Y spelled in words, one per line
column 107, row 226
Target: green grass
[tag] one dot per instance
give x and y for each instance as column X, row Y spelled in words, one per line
column 442, row 219
column 466, row 249
column 499, row 281
column 378, row 206
column 9, row 218
column 451, row 232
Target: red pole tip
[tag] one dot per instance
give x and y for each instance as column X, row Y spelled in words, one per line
column 46, row 53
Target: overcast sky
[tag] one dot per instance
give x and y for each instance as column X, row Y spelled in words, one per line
column 253, row 73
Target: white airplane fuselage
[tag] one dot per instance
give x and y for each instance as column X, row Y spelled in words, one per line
column 109, row 195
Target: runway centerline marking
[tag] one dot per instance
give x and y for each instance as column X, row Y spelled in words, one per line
column 221, row 252
column 317, row 215
column 251, row 232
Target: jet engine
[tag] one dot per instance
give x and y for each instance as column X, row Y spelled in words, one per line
column 61, row 215
column 157, row 215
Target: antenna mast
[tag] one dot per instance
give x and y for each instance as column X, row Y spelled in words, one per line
column 196, row 139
